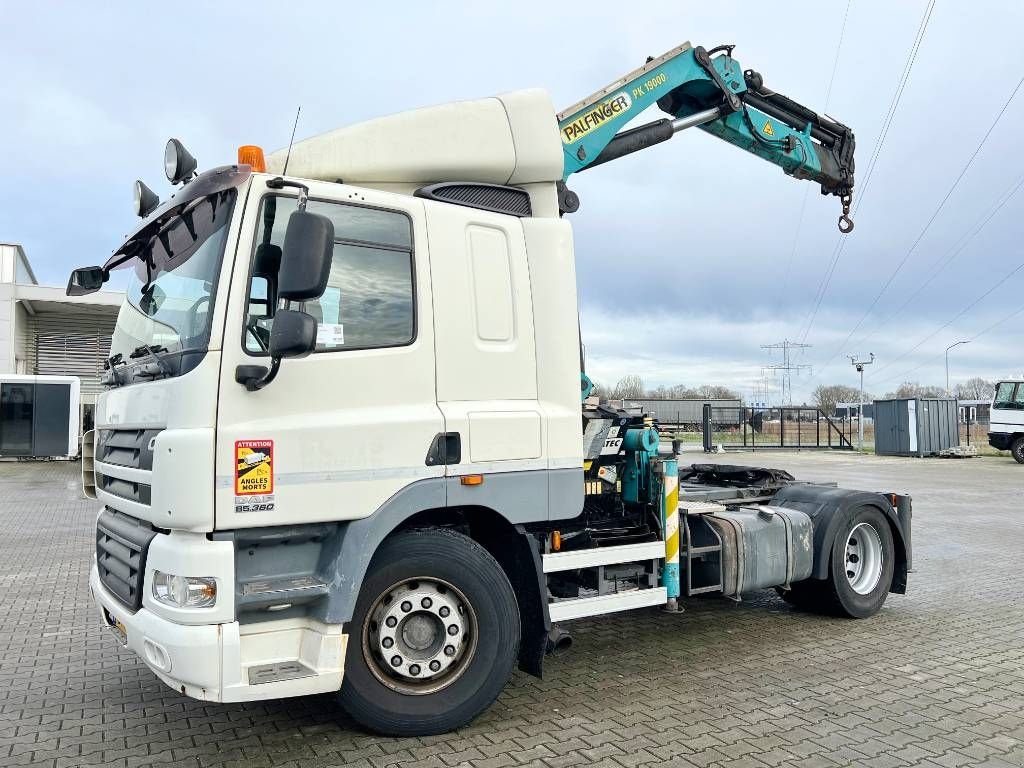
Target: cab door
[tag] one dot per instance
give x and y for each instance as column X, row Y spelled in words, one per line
column 337, row 433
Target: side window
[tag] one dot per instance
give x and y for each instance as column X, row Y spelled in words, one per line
column 369, row 301
column 1005, row 395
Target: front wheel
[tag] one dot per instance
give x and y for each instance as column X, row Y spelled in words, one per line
column 434, row 637
column 1017, row 449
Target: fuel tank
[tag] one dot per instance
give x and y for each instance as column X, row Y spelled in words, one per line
column 763, row 547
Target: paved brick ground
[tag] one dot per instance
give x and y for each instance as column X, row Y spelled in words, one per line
column 937, row 679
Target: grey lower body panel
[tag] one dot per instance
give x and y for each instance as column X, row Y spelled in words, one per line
column 337, row 555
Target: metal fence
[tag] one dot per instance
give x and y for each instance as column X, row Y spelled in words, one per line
column 783, row 427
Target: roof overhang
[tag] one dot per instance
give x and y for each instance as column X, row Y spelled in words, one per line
column 41, row 299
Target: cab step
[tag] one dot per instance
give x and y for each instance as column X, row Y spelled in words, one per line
column 278, row 671
column 578, row 607
column 590, row 558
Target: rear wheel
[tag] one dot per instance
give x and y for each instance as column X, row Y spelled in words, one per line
column 434, row 636
column 1017, row 449
column 861, row 565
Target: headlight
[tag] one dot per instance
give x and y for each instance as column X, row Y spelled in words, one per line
column 146, row 200
column 184, row 591
column 179, row 165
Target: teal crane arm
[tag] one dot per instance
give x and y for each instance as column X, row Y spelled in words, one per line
column 698, row 88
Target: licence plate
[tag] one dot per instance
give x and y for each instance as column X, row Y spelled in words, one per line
column 118, row 628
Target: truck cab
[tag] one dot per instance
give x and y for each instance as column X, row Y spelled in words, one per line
column 1006, row 426
column 444, row 375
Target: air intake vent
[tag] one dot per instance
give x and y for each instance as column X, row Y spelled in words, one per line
column 121, row 546
column 486, row 197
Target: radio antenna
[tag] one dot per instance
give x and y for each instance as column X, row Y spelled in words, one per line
column 291, row 141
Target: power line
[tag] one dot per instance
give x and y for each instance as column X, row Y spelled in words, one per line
column 872, row 162
column 787, row 366
column 934, row 216
column 980, row 333
column 999, row 283
column 937, row 269
column 807, row 187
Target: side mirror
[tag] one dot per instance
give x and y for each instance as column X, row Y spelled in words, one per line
column 293, row 334
column 86, row 280
column 306, row 257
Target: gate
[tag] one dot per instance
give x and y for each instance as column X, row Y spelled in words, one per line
column 795, row 427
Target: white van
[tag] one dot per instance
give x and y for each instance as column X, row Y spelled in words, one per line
column 1006, row 430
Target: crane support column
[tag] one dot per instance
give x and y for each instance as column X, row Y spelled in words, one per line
column 670, row 526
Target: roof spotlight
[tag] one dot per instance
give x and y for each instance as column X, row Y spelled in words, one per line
column 179, row 165
column 146, row 200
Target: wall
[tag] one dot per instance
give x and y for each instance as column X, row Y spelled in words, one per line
column 7, row 327
column 69, row 344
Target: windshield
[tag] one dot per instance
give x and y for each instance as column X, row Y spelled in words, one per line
column 173, row 282
column 1009, row 396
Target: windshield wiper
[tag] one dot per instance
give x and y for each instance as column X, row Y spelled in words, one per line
column 158, row 365
column 111, row 377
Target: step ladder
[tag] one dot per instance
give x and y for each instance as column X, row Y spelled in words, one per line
column 609, row 599
column 700, row 560
column 702, row 548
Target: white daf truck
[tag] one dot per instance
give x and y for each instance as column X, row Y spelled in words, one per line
column 344, row 447
column 1006, row 420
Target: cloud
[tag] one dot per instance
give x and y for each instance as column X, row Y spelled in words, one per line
column 689, row 256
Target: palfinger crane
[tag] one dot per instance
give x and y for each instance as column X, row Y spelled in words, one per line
column 698, row 88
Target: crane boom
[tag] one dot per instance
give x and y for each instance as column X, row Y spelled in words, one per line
column 697, row 88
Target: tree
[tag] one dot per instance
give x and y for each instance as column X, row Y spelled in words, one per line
column 914, row 389
column 827, row 396
column 680, row 392
column 715, row 392
column 629, row 386
column 975, row 389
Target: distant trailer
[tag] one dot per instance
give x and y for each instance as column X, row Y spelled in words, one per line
column 688, row 412
column 975, row 411
column 849, row 411
column 39, row 416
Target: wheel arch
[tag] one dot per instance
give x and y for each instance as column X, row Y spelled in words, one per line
column 348, row 556
column 830, row 508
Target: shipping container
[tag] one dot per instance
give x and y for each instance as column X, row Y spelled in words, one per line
column 916, row 426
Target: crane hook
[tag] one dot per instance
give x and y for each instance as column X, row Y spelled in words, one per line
column 845, row 222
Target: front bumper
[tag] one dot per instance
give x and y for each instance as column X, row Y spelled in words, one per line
column 1000, row 441
column 218, row 662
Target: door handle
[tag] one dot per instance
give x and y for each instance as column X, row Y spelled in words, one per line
column 445, row 449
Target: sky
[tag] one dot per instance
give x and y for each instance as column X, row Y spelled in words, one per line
column 690, row 255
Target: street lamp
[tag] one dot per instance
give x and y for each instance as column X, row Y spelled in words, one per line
column 955, row 344
column 859, row 365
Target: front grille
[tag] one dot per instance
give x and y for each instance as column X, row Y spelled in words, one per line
column 140, row 493
column 121, row 546
column 126, row 447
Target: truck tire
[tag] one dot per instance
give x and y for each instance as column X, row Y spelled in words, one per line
column 861, row 566
column 434, row 636
column 1017, row 449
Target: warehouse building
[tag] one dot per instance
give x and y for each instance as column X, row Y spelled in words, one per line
column 44, row 332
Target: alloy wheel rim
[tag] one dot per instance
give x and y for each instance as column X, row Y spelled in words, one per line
column 420, row 635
